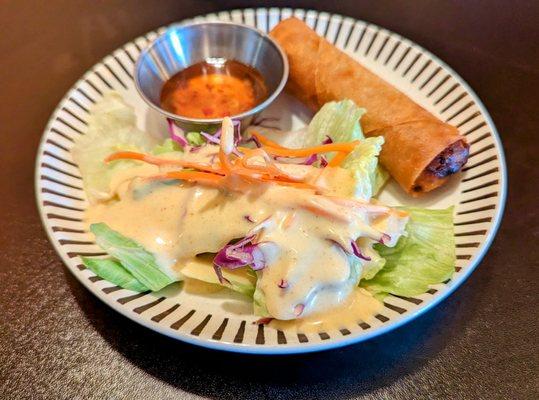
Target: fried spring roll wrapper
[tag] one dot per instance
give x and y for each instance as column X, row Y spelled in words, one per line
column 420, row 151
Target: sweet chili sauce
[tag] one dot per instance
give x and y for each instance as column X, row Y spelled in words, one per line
column 213, row 88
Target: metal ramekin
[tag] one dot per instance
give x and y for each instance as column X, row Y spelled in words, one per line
column 184, row 45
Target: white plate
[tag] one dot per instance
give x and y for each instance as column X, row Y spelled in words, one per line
column 223, row 320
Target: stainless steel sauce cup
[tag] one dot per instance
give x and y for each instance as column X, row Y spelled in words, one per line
column 184, row 45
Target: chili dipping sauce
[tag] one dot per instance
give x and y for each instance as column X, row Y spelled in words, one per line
column 214, row 88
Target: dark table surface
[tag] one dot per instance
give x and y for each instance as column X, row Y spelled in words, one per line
column 58, row 341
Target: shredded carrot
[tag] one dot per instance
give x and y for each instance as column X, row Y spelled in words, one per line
column 251, row 153
column 126, row 155
column 338, row 159
column 131, row 155
column 324, row 148
column 273, row 172
column 230, row 165
column 226, row 166
column 263, row 176
column 265, row 141
column 279, row 150
column 191, row 176
column 210, row 174
column 226, row 145
column 274, row 148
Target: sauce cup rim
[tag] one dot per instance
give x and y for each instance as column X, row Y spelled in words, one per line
column 209, row 121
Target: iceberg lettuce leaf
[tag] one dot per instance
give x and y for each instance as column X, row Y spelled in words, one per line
column 375, row 264
column 132, row 256
column 195, row 139
column 168, row 146
column 259, row 303
column 338, row 120
column 112, row 271
column 363, row 162
column 381, row 176
column 425, row 256
column 111, row 127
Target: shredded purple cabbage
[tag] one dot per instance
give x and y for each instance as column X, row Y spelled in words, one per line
column 357, row 251
column 237, row 135
column 241, row 254
column 323, row 162
column 255, row 141
column 219, row 273
column 177, row 137
column 298, row 309
column 327, row 140
column 209, row 138
column 249, row 218
column 339, row 245
column 311, row 159
column 215, row 137
column 283, row 284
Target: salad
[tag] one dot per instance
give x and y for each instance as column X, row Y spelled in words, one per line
column 288, row 219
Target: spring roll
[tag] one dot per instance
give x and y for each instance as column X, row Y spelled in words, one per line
column 420, row 151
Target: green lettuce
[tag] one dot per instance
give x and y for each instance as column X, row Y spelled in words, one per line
column 195, row 139
column 111, row 128
column 381, row 176
column 168, row 146
column 132, row 256
column 338, row 120
column 112, row 271
column 259, row 303
column 424, row 256
column 371, row 267
column 363, row 162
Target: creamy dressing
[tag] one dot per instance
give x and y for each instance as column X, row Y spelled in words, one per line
column 315, row 273
column 308, row 274
column 359, row 306
column 176, row 222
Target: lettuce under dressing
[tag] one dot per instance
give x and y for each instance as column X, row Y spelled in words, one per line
column 113, row 271
column 111, row 127
column 424, row 256
column 133, row 257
